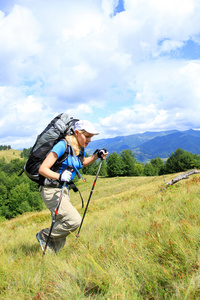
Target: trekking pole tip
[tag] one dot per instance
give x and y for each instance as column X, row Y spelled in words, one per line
column 77, row 235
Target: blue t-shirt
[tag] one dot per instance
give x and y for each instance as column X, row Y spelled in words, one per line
column 71, row 161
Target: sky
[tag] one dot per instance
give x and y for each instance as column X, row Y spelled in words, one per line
column 126, row 66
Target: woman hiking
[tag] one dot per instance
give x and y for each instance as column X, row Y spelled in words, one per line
column 54, row 172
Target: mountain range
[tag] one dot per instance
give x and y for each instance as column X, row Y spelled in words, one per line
column 150, row 145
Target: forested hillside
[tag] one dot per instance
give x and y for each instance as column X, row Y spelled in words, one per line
column 18, row 194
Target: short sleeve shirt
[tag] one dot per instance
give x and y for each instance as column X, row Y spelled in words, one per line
column 70, row 161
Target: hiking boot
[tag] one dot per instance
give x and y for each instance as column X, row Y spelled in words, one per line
column 59, row 244
column 43, row 243
column 56, row 245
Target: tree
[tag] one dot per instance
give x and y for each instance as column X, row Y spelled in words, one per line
column 149, row 170
column 181, row 160
column 103, row 170
column 158, row 165
column 18, row 195
column 129, row 161
column 3, row 197
column 138, row 169
column 2, row 163
column 21, row 200
column 196, row 159
column 18, row 200
column 15, row 166
column 4, row 147
column 25, row 152
column 114, row 165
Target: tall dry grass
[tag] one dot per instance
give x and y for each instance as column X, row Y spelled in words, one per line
column 10, row 154
column 138, row 241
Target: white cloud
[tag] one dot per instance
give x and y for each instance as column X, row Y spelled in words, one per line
column 117, row 71
column 167, row 97
column 19, row 32
column 20, row 115
column 19, row 42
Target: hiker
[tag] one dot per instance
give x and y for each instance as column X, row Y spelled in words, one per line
column 68, row 219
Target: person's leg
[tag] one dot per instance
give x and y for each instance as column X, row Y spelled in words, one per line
column 67, row 220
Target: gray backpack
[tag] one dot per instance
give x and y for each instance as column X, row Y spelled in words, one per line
column 57, row 129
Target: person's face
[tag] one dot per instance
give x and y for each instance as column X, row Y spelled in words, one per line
column 83, row 138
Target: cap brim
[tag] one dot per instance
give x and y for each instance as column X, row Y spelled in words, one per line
column 96, row 133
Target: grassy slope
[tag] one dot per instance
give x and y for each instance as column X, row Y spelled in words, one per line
column 138, row 241
column 10, row 154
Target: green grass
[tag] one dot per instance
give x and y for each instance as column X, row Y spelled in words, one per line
column 138, row 241
column 10, row 154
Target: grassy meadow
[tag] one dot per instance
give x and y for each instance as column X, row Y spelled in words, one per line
column 9, row 155
column 139, row 240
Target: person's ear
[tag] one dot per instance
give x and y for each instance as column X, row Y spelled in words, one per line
column 76, row 133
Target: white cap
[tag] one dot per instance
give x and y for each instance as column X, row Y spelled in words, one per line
column 85, row 125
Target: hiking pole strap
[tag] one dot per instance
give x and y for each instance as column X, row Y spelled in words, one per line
column 75, row 189
column 54, row 217
column 89, row 197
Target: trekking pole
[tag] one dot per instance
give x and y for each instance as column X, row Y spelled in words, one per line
column 54, row 217
column 89, row 197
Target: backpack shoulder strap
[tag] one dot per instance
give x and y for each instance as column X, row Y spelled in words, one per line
column 66, row 152
column 81, row 155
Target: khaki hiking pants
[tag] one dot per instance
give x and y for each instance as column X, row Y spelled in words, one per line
column 68, row 219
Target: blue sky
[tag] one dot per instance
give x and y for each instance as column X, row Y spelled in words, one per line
column 127, row 66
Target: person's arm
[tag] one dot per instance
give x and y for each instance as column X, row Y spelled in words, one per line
column 45, row 170
column 89, row 160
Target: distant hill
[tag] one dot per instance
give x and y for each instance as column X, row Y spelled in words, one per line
column 119, row 143
column 10, row 154
column 145, row 145
column 150, row 145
